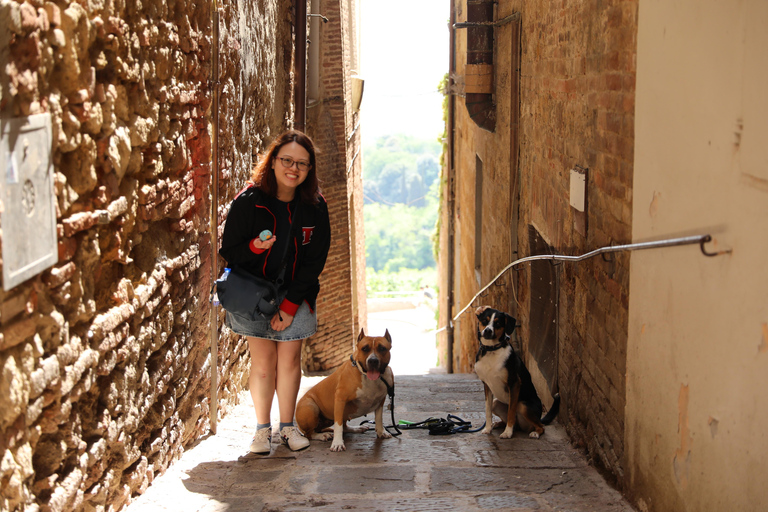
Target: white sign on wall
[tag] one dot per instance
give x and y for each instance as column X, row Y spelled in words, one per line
column 27, row 209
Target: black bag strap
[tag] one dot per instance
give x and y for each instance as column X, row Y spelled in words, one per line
column 281, row 275
column 294, row 215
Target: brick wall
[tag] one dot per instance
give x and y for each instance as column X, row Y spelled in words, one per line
column 578, row 84
column 104, row 357
column 331, row 123
column 577, row 80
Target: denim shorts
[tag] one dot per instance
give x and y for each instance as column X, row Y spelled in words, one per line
column 303, row 326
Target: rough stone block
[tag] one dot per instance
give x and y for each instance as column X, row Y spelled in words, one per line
column 59, row 275
column 17, row 332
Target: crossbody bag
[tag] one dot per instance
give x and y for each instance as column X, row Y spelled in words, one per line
column 244, row 294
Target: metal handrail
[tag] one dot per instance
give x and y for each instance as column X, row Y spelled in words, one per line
column 670, row 242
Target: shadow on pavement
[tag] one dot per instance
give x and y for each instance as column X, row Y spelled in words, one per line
column 416, row 471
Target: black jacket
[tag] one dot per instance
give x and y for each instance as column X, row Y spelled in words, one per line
column 253, row 211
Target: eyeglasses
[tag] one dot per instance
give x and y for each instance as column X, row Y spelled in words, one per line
column 288, row 163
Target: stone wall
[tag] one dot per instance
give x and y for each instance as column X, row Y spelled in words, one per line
column 104, row 357
column 576, row 108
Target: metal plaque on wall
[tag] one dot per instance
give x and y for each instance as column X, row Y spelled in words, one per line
column 28, row 214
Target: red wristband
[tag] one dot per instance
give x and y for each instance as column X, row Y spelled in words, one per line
column 289, row 307
column 255, row 249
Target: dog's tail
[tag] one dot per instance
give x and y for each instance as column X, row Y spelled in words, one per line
column 552, row 413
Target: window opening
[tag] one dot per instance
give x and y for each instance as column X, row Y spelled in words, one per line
column 479, row 68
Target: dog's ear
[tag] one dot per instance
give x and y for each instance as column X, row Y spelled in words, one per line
column 362, row 334
column 387, row 336
column 510, row 324
column 479, row 311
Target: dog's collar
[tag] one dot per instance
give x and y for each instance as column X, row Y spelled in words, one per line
column 484, row 349
column 503, row 342
column 354, row 363
column 390, row 389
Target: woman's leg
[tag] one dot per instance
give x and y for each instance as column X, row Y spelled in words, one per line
column 263, row 376
column 288, row 378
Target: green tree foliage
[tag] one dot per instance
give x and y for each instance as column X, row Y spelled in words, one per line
column 400, row 170
column 405, row 279
column 400, row 185
column 428, row 168
column 399, row 237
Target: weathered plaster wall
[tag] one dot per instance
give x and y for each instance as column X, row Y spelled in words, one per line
column 697, row 365
column 104, row 357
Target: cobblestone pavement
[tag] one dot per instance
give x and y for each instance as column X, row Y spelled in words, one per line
column 413, row 472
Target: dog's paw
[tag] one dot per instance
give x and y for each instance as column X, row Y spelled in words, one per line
column 534, row 434
column 507, row 434
column 325, row 436
column 486, row 430
column 357, row 430
column 338, row 447
column 498, row 424
column 383, row 435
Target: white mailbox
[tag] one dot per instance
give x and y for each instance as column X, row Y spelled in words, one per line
column 28, row 211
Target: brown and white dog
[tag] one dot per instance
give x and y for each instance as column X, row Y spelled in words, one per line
column 356, row 388
column 509, row 391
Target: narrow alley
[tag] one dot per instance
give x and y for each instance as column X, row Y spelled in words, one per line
column 412, row 472
column 415, row 471
column 565, row 128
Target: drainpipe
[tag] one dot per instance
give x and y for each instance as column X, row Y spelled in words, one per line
column 214, row 317
column 450, row 194
column 300, row 92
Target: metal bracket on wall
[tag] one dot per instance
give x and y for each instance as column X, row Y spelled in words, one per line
column 706, row 239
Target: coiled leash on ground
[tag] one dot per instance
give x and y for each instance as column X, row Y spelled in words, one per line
column 437, row 426
column 451, row 424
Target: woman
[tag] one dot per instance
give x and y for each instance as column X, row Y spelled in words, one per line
column 284, row 185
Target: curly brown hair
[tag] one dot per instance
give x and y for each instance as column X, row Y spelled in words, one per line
column 264, row 175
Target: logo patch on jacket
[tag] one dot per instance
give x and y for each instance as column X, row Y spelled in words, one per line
column 307, row 234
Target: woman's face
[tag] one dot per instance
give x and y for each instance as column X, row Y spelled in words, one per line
column 291, row 166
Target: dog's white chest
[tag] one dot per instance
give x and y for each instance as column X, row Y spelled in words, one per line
column 371, row 393
column 491, row 368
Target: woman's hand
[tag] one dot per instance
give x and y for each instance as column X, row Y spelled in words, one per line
column 263, row 244
column 280, row 321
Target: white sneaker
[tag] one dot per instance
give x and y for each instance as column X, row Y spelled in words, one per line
column 262, row 441
column 293, row 437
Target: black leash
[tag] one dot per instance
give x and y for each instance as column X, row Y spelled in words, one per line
column 391, row 394
column 451, row 424
column 437, row 426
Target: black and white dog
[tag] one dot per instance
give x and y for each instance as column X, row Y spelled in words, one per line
column 509, row 391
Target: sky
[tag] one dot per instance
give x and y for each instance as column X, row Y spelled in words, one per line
column 404, row 48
